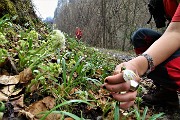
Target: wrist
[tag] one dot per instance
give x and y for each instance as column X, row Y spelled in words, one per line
column 150, row 61
column 140, row 63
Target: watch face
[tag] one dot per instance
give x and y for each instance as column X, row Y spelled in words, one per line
column 129, row 75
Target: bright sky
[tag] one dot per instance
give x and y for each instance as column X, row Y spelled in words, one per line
column 45, row 8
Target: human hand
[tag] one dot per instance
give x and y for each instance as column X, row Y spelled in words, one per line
column 116, row 84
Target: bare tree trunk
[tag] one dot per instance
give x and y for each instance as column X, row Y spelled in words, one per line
column 105, row 23
column 126, row 25
column 103, row 44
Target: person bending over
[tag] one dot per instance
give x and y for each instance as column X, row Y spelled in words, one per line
column 159, row 59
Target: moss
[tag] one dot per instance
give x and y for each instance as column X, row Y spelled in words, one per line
column 7, row 7
column 23, row 9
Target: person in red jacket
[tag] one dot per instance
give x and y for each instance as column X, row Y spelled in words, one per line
column 158, row 58
column 78, row 33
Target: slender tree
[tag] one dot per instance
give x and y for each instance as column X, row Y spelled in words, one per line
column 104, row 23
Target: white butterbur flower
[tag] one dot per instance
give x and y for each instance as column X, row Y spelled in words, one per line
column 57, row 39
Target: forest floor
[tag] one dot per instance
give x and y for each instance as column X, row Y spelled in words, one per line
column 170, row 113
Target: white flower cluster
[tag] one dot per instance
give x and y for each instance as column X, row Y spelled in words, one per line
column 57, row 39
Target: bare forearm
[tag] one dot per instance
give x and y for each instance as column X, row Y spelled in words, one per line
column 164, row 47
column 160, row 50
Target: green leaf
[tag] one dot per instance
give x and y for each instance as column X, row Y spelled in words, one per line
column 95, row 81
column 116, row 111
column 137, row 114
column 64, row 71
column 144, row 113
column 154, row 117
column 62, row 104
column 74, row 68
column 68, row 114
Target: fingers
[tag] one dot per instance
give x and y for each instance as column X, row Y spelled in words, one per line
column 125, row 65
column 118, row 69
column 126, row 105
column 126, row 100
column 125, row 86
column 115, row 79
column 127, row 97
column 116, row 84
column 118, row 76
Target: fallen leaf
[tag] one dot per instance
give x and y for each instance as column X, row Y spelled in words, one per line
column 73, row 90
column 18, row 103
column 68, row 118
column 37, row 108
column 3, row 97
column 28, row 115
column 99, row 71
column 16, row 92
column 9, row 80
column 49, row 102
column 26, row 75
column 41, row 106
column 8, row 90
column 34, row 87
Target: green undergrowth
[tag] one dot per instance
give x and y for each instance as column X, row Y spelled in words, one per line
column 70, row 72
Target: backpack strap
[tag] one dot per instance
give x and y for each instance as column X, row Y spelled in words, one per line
column 156, row 9
column 149, row 19
column 151, row 10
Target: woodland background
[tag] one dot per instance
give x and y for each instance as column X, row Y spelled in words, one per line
column 104, row 23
